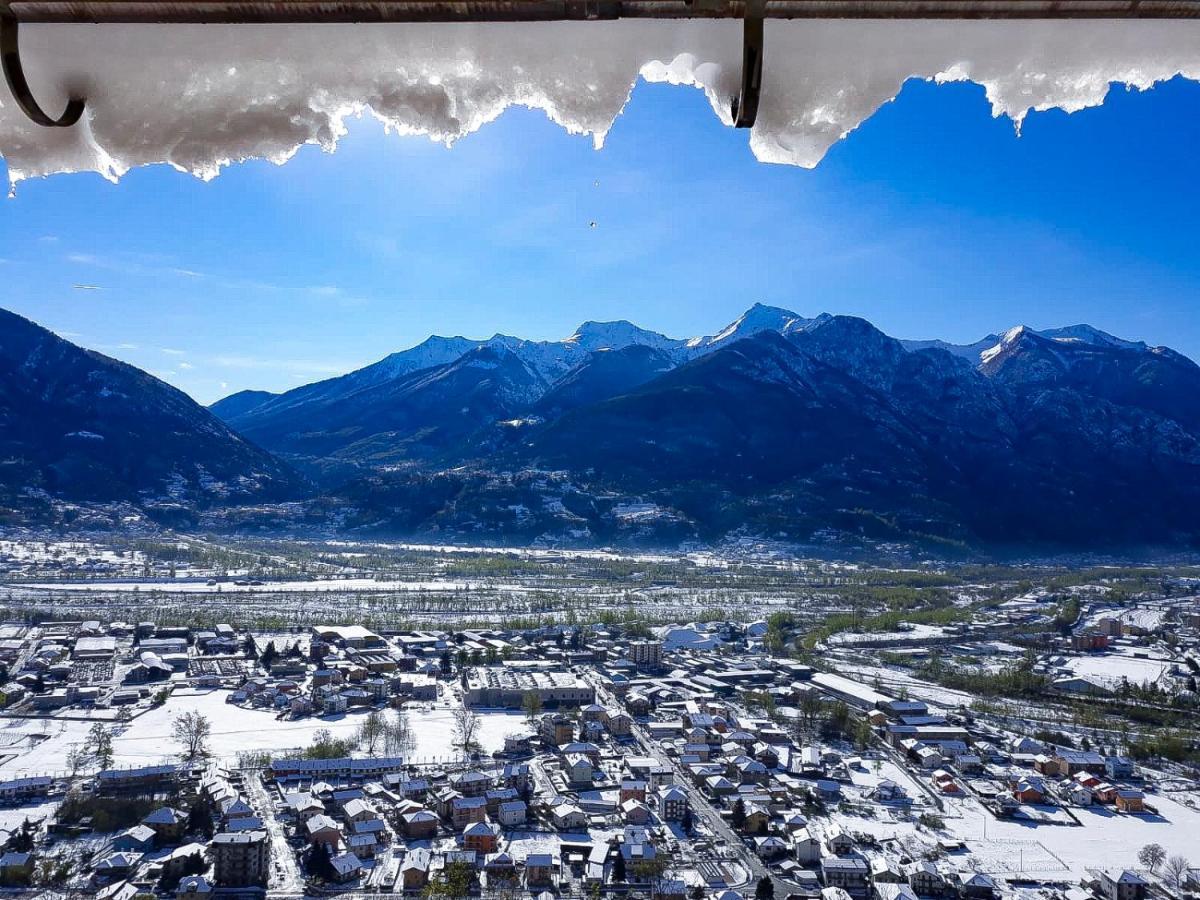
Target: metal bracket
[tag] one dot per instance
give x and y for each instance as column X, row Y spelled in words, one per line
column 745, row 104
column 14, row 74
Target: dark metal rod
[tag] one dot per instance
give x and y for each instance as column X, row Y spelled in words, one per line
column 18, row 86
column 745, row 104
column 315, row 11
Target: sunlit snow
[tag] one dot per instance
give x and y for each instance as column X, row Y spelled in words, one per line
column 198, row 97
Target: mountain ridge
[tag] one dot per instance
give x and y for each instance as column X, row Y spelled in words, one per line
column 777, row 424
column 594, row 335
column 79, row 425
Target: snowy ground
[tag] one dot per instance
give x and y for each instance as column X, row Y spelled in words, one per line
column 1144, row 617
column 917, row 633
column 893, row 681
column 1106, row 839
column 1113, row 667
column 147, row 740
column 1006, row 847
column 322, row 585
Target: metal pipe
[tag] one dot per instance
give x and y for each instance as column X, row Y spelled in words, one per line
column 18, row 86
column 317, row 11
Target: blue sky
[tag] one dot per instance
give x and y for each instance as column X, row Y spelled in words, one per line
column 931, row 220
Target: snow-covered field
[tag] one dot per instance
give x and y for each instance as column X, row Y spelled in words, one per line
column 202, row 587
column 1011, row 847
column 893, row 681
column 916, row 633
column 1114, row 667
column 147, row 739
column 1106, row 838
column 1143, row 617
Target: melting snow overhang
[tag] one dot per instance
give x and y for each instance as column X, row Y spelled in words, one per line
column 825, row 68
column 752, row 12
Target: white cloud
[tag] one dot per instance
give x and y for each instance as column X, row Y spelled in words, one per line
column 135, row 264
column 308, row 367
column 171, row 351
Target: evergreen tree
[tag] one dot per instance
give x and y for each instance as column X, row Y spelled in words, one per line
column 195, row 864
column 618, row 869
column 319, row 862
column 738, row 815
column 200, row 819
column 100, row 744
column 764, row 890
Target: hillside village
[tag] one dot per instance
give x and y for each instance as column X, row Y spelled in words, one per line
column 688, row 761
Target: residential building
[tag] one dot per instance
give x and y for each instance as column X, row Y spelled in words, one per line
column 241, row 859
column 646, row 655
column 846, row 872
column 1122, row 885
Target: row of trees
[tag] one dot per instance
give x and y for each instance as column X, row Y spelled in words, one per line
column 1174, row 868
column 190, row 730
column 393, row 734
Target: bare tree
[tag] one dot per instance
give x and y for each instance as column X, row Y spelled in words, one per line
column 371, row 731
column 1175, row 871
column 191, row 730
column 810, row 711
column 398, row 738
column 78, row 758
column 466, row 730
column 1151, row 856
column 532, row 704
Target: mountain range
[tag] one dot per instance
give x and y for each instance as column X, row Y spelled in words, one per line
column 804, row 429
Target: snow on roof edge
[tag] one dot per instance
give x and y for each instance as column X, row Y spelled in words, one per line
column 200, row 97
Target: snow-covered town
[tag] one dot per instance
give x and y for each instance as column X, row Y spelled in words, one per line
column 1042, row 745
column 600, row 450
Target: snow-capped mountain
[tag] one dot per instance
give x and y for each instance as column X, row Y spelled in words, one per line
column 989, row 345
column 548, row 362
column 777, row 424
column 592, row 336
column 969, row 352
column 756, row 319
